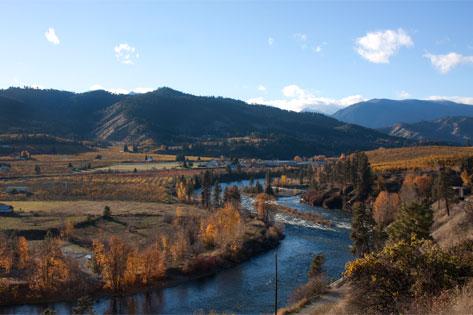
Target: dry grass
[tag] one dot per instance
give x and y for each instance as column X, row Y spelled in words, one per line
column 52, row 164
column 88, row 207
column 451, row 230
column 415, row 157
column 44, row 215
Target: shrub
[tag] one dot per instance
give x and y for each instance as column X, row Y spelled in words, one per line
column 385, row 282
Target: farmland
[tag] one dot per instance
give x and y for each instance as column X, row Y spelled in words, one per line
column 83, row 205
column 416, row 157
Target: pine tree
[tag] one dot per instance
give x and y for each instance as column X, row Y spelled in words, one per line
column 206, row 186
column 443, row 187
column 413, row 220
column 362, row 230
column 268, row 189
column 217, row 192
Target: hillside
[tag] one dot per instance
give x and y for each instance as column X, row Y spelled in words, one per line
column 182, row 122
column 380, row 113
column 454, row 130
column 416, row 157
column 54, row 112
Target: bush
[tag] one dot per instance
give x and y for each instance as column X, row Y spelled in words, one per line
column 386, row 282
column 107, row 212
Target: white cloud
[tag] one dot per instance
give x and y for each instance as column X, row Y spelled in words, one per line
column 297, row 99
column 445, row 63
column 261, row 88
column 126, row 54
column 456, row 99
column 138, row 90
column 270, row 41
column 379, row 47
column 317, row 49
column 51, row 36
column 302, row 39
column 404, row 94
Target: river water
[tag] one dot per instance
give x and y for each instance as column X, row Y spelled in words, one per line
column 248, row 288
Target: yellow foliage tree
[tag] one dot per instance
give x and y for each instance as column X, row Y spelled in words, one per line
column 22, row 252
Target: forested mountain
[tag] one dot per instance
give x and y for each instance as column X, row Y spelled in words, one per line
column 54, row 112
column 183, row 122
column 380, row 113
column 454, row 130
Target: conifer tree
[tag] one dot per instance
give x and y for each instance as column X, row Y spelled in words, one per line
column 268, row 189
column 413, row 220
column 206, row 186
column 362, row 230
column 217, row 192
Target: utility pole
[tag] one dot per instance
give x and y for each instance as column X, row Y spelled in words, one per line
column 276, row 282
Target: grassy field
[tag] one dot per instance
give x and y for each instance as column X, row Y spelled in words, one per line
column 51, row 164
column 135, row 222
column 415, row 157
column 88, row 207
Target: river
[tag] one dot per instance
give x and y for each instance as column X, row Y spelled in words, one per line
column 249, row 287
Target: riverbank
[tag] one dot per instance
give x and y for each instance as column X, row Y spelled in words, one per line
column 258, row 239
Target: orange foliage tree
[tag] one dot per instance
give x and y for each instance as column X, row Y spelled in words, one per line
column 385, row 208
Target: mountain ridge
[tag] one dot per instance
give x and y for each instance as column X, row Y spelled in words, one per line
column 453, row 130
column 186, row 123
column 382, row 113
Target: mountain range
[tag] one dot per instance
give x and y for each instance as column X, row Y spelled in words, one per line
column 382, row 113
column 182, row 123
column 452, row 130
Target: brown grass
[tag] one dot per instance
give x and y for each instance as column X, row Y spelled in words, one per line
column 449, row 231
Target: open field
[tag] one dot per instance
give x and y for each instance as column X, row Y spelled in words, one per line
column 416, row 157
column 53, row 164
column 146, row 166
column 88, row 207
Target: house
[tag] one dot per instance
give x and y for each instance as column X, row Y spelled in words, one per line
column 25, row 155
column 212, row 164
column 17, row 190
column 5, row 209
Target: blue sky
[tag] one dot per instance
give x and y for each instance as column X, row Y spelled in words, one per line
column 294, row 55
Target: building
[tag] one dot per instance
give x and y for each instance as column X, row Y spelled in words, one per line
column 5, row 209
column 17, row 190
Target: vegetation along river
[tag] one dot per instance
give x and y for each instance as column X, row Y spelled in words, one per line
column 249, row 287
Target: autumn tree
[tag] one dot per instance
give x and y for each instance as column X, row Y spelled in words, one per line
column 6, row 254
column 232, row 196
column 467, row 178
column 385, row 208
column 22, row 253
column 51, row 268
column 262, row 207
column 225, row 225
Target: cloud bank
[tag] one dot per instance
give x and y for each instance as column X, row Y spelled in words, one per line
column 298, row 99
